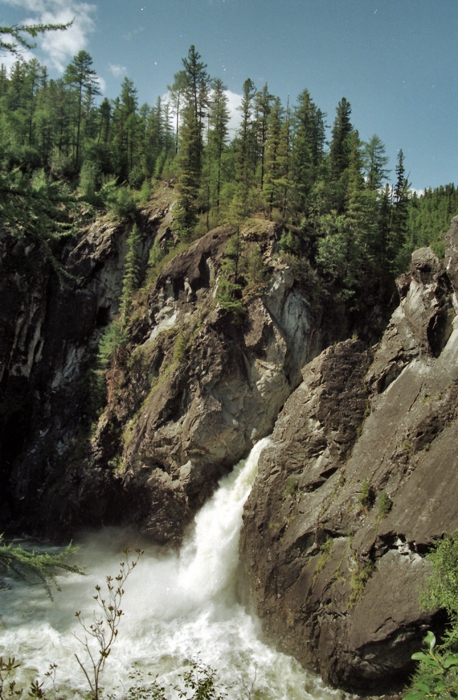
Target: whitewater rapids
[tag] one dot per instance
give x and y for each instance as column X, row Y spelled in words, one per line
column 177, row 607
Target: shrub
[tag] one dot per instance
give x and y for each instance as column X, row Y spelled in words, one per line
column 114, row 338
column 385, row 504
column 367, row 496
column 437, row 673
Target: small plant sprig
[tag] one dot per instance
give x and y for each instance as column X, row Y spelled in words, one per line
column 8, row 689
column 103, row 630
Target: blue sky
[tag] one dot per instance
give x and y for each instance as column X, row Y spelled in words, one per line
column 394, row 60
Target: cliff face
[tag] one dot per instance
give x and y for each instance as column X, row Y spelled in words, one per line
column 360, row 479
column 50, row 331
column 201, row 385
column 189, row 394
column 361, row 474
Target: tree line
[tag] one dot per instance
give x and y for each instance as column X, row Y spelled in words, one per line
column 329, row 189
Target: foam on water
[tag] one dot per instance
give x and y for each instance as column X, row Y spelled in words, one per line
column 177, row 606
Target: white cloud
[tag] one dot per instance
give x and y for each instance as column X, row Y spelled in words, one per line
column 234, row 101
column 102, row 84
column 117, row 70
column 60, row 46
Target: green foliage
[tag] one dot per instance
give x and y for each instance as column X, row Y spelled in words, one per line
column 131, row 277
column 120, row 202
column 179, row 347
column 14, row 39
column 385, row 504
column 38, row 210
column 437, row 673
column 323, row 558
column 441, row 588
column 88, row 182
column 360, row 576
column 328, row 198
column 367, row 495
column 36, row 567
column 228, row 293
column 112, row 340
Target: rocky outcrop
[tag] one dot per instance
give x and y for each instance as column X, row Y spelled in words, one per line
column 188, row 395
column 208, row 384
column 360, row 479
column 360, row 476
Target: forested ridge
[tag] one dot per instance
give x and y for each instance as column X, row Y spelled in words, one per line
column 340, row 205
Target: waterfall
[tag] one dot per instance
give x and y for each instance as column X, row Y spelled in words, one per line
column 177, row 606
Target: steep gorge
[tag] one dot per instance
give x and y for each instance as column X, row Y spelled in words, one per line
column 330, row 571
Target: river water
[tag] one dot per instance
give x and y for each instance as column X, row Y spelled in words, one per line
column 177, row 607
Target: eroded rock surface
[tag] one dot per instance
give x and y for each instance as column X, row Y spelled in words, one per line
column 361, row 477
column 207, row 384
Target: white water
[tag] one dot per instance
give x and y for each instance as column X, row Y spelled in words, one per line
column 176, row 607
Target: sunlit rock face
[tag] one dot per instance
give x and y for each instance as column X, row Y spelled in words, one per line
column 188, row 396
column 209, row 383
column 359, row 481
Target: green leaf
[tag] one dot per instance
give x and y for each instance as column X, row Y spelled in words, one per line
column 414, row 696
column 451, row 660
column 423, row 686
column 430, row 640
column 420, row 656
column 440, row 687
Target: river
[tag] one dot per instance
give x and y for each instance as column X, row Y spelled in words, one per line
column 177, row 606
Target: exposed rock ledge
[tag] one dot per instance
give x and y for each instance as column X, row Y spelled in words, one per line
column 360, row 479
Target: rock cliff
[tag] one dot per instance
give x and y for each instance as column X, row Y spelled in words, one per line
column 359, row 481
column 360, row 476
column 188, row 395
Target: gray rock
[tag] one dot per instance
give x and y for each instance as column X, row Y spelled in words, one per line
column 359, row 481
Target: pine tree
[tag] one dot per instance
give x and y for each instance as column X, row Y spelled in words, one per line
column 217, row 136
column 262, row 104
column 83, row 81
column 307, row 150
column 272, row 181
column 191, row 143
column 246, row 142
column 400, row 215
column 340, row 147
column 374, row 161
column 177, row 92
column 339, row 155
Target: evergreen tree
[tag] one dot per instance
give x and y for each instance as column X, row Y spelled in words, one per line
column 399, row 217
column 262, row 103
column 190, row 156
column 217, row 136
column 196, row 94
column 177, row 92
column 189, row 181
column 246, row 142
column 374, row 161
column 83, row 81
column 273, row 179
column 340, row 154
column 307, row 150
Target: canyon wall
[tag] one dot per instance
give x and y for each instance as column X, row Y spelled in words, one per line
column 359, row 479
